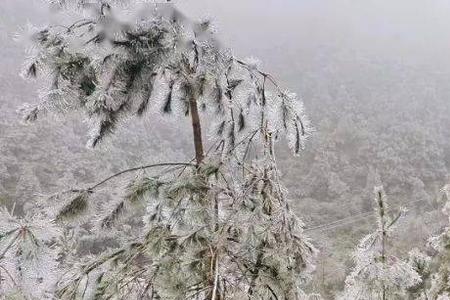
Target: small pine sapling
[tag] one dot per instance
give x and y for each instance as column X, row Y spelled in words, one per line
column 378, row 274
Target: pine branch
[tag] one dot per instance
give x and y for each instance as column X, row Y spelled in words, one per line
column 138, row 169
column 10, row 244
column 134, row 169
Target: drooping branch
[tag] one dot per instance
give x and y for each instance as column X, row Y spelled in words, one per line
column 137, row 169
column 93, row 187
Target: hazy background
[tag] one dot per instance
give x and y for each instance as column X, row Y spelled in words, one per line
column 374, row 76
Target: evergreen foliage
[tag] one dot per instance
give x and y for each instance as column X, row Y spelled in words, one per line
column 377, row 274
column 421, row 263
column 28, row 256
column 218, row 227
column 440, row 280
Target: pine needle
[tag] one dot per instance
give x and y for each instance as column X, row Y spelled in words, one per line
column 76, row 206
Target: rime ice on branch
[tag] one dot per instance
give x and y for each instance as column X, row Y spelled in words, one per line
column 28, row 258
column 440, row 281
column 377, row 273
column 218, row 227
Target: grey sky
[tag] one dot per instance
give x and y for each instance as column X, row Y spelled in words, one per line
column 415, row 30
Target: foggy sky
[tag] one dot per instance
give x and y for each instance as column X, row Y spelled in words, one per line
column 413, row 31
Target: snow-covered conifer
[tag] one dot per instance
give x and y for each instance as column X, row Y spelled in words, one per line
column 440, row 279
column 421, row 263
column 216, row 227
column 378, row 274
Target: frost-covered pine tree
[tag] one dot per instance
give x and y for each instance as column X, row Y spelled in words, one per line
column 378, row 274
column 440, row 279
column 421, row 263
column 216, row 227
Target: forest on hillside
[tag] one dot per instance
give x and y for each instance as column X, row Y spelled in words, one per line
column 300, row 207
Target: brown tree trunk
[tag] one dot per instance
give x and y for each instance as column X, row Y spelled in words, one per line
column 196, row 129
